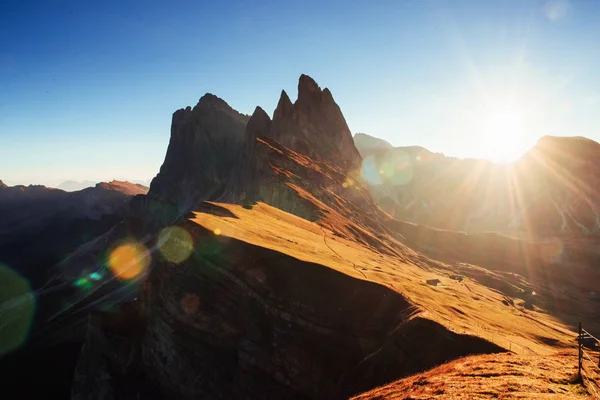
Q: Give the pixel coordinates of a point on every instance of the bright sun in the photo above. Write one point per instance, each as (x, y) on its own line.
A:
(502, 131)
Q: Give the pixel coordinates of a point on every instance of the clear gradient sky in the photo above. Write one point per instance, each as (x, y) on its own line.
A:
(87, 88)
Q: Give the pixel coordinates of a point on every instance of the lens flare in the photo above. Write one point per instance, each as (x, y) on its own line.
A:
(175, 244)
(349, 182)
(370, 171)
(190, 303)
(129, 260)
(84, 283)
(552, 250)
(17, 308)
(397, 167)
(95, 276)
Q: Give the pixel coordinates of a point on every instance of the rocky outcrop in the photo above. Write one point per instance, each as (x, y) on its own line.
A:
(213, 152)
(303, 161)
(2, 184)
(314, 125)
(206, 141)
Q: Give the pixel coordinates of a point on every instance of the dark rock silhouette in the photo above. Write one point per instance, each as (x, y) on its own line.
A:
(206, 141)
(314, 125)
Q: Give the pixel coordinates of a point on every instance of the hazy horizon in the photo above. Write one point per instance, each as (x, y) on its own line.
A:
(89, 93)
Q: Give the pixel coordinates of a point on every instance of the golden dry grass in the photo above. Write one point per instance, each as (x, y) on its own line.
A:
(465, 307)
(497, 376)
(541, 362)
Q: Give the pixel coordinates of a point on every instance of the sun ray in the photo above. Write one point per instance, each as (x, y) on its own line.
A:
(469, 182)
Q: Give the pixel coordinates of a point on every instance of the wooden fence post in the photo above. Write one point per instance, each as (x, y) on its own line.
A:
(580, 342)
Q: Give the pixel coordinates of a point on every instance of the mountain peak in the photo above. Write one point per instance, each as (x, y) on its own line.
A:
(309, 92)
(259, 114)
(211, 102)
(284, 101)
(205, 142)
(314, 123)
(258, 125)
(307, 84)
(576, 147)
(210, 98)
(367, 144)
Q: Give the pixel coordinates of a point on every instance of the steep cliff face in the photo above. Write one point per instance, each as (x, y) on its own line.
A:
(244, 180)
(551, 190)
(206, 141)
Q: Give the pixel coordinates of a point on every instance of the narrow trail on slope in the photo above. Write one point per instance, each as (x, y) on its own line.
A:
(560, 212)
(337, 254)
(583, 228)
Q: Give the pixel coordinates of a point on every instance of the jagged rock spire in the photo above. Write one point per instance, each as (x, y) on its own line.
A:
(315, 125)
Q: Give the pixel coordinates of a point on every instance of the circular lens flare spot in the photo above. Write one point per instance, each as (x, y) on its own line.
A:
(217, 231)
(17, 308)
(190, 303)
(129, 260)
(553, 250)
(175, 244)
(370, 171)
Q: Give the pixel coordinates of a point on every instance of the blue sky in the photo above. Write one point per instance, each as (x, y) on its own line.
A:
(87, 88)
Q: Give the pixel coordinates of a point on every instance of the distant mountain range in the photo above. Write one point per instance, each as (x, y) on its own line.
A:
(554, 189)
(40, 225)
(73, 186)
